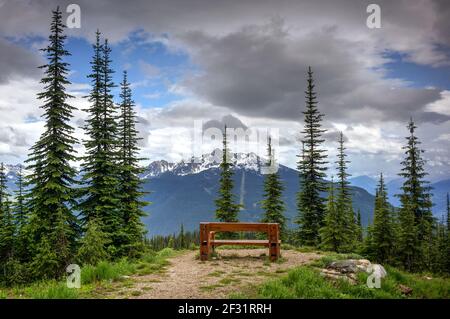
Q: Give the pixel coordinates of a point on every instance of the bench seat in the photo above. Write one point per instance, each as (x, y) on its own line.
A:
(249, 242)
(208, 237)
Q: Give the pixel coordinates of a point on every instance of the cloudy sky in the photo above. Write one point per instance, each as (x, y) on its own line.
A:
(243, 63)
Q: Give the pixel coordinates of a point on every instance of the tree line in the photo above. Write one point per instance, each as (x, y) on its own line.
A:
(56, 219)
(408, 236)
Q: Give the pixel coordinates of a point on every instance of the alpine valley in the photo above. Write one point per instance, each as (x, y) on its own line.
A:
(184, 192)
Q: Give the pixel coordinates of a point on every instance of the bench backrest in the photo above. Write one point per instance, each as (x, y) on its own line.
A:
(236, 227)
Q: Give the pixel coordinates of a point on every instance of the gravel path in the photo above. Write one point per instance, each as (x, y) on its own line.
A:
(233, 271)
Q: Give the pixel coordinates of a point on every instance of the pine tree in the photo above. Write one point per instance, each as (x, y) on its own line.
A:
(359, 228)
(273, 204)
(415, 213)
(52, 194)
(7, 229)
(383, 235)
(344, 205)
(331, 233)
(129, 170)
(182, 239)
(226, 208)
(21, 217)
(310, 203)
(100, 194)
(93, 248)
(447, 250)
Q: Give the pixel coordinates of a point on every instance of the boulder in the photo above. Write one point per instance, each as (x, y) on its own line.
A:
(350, 265)
(348, 268)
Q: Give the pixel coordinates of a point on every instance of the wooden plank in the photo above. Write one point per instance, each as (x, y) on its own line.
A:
(208, 241)
(236, 227)
(249, 242)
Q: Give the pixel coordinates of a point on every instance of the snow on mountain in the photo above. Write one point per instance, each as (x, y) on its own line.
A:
(195, 165)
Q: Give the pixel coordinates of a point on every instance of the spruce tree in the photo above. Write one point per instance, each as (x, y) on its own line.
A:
(447, 250)
(52, 194)
(311, 167)
(344, 205)
(226, 208)
(331, 233)
(415, 214)
(383, 235)
(273, 204)
(6, 222)
(100, 194)
(130, 184)
(93, 244)
(359, 228)
(21, 217)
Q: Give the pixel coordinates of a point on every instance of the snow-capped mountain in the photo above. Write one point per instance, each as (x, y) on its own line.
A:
(195, 165)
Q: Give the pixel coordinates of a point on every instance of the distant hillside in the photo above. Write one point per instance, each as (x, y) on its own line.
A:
(184, 193)
(439, 191)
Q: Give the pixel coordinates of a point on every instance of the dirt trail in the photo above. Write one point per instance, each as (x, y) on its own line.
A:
(234, 271)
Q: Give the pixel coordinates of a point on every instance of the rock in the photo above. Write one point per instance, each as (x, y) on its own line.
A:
(344, 266)
(350, 265)
(405, 289)
(335, 275)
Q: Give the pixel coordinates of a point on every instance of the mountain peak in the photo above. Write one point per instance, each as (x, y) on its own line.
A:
(195, 165)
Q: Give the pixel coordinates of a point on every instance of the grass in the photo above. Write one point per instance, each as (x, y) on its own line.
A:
(95, 280)
(306, 282)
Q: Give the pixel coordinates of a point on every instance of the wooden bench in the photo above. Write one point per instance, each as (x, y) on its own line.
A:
(208, 241)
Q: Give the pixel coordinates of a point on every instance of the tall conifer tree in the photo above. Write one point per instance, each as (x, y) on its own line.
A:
(21, 217)
(100, 195)
(52, 194)
(383, 235)
(415, 214)
(130, 184)
(226, 208)
(273, 204)
(310, 203)
(344, 205)
(6, 222)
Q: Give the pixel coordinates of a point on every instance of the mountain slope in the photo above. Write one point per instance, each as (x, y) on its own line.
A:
(184, 192)
(180, 196)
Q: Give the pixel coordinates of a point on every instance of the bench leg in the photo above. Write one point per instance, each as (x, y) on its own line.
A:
(204, 242)
(274, 242)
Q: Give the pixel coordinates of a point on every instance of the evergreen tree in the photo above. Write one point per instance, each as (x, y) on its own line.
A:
(6, 221)
(415, 215)
(52, 195)
(273, 204)
(383, 235)
(344, 205)
(359, 228)
(21, 217)
(226, 208)
(182, 240)
(331, 233)
(93, 248)
(310, 203)
(129, 170)
(100, 194)
(447, 250)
